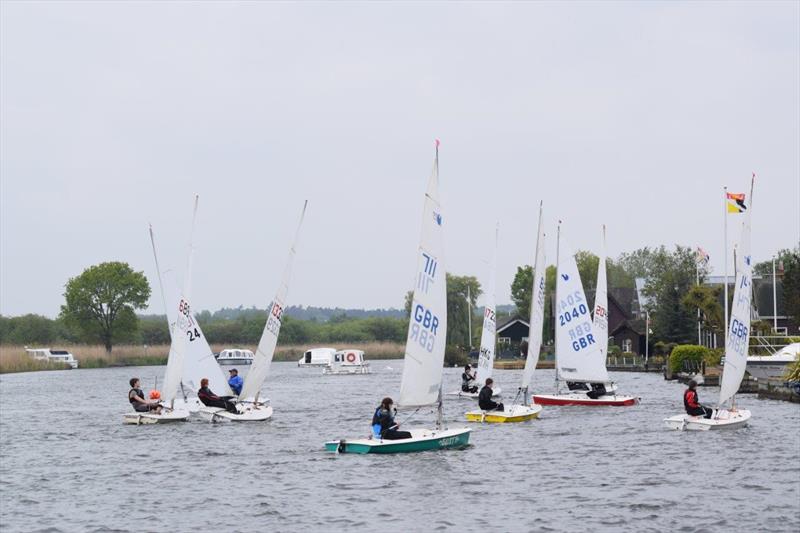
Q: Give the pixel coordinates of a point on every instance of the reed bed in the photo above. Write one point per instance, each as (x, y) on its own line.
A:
(13, 358)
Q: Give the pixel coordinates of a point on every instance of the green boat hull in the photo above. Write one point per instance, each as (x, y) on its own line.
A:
(452, 439)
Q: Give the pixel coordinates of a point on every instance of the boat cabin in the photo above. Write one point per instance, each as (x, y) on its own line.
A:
(317, 357)
(349, 357)
(235, 356)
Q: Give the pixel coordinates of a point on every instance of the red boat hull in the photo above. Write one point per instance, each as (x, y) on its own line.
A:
(565, 400)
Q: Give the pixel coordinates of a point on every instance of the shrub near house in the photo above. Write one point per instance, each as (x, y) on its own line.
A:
(687, 352)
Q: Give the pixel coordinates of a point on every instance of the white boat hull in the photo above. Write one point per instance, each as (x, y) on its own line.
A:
(249, 413)
(175, 415)
(347, 370)
(722, 420)
(496, 392)
(573, 398)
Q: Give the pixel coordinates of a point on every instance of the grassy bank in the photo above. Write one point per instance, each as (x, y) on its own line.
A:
(13, 358)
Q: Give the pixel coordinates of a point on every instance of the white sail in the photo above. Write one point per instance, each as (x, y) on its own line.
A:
(578, 355)
(262, 360)
(600, 315)
(537, 307)
(199, 362)
(736, 348)
(487, 351)
(427, 329)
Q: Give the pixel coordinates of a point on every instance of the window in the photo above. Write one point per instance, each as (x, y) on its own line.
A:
(504, 340)
(627, 345)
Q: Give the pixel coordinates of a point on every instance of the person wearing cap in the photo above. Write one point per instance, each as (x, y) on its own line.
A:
(235, 381)
(468, 380)
(485, 401)
(692, 402)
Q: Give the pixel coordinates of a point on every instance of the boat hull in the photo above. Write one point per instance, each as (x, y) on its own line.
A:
(249, 414)
(723, 420)
(421, 440)
(496, 393)
(513, 413)
(347, 371)
(581, 399)
(167, 417)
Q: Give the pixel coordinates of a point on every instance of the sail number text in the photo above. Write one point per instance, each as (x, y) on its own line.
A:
(737, 336)
(274, 318)
(423, 329)
(573, 309)
(186, 322)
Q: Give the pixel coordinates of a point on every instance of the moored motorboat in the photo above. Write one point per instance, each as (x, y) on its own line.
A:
(234, 356)
(773, 366)
(347, 362)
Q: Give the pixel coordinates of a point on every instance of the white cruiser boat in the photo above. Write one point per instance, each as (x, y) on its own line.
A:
(317, 357)
(773, 366)
(347, 362)
(55, 356)
(235, 356)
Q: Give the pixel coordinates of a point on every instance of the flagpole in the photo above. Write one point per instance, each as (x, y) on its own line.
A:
(697, 273)
(725, 214)
(469, 319)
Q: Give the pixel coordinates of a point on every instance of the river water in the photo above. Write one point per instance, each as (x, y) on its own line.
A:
(69, 464)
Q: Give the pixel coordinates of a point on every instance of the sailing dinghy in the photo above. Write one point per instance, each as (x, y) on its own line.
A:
(736, 348)
(251, 409)
(513, 413)
(580, 351)
(488, 333)
(421, 384)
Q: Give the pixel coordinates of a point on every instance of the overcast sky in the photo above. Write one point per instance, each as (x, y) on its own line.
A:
(630, 114)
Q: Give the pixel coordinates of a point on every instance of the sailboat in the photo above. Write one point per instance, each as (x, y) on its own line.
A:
(488, 333)
(171, 412)
(421, 384)
(580, 356)
(517, 412)
(736, 348)
(250, 407)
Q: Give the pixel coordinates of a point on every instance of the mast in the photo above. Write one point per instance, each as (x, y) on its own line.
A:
(160, 282)
(555, 321)
(725, 260)
(469, 320)
(533, 351)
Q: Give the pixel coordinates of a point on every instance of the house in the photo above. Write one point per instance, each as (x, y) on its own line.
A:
(763, 307)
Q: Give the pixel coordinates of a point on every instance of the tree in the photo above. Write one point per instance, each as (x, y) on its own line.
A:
(100, 303)
(707, 300)
(790, 260)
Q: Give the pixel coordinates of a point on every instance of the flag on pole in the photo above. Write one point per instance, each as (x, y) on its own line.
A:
(736, 202)
(702, 256)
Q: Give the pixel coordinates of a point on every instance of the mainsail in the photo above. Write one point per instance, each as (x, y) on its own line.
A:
(427, 328)
(200, 361)
(600, 315)
(537, 307)
(578, 354)
(262, 359)
(486, 355)
(736, 348)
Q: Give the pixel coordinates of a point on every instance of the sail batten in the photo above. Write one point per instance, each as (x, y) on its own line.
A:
(578, 354)
(427, 328)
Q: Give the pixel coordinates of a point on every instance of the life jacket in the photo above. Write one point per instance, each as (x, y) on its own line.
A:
(138, 392)
(690, 400)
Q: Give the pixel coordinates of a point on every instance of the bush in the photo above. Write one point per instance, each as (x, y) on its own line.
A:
(686, 352)
(714, 357)
(614, 350)
(793, 372)
(455, 356)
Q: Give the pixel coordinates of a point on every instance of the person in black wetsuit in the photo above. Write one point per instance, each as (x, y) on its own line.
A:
(212, 400)
(384, 416)
(485, 398)
(468, 380)
(136, 397)
(691, 402)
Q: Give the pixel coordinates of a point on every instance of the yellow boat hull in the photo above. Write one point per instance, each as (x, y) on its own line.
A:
(515, 413)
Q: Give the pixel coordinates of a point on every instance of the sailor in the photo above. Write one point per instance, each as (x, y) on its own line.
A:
(235, 381)
(383, 424)
(485, 398)
(212, 400)
(136, 397)
(468, 380)
(692, 402)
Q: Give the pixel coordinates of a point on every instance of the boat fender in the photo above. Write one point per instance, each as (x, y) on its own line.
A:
(351, 357)
(342, 446)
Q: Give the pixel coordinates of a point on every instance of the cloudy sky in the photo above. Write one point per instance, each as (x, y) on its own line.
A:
(630, 114)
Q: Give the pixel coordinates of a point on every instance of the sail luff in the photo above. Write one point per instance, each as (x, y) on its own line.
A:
(600, 314)
(427, 328)
(489, 329)
(537, 306)
(262, 359)
(738, 336)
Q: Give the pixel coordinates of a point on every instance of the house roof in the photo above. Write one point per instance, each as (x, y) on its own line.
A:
(510, 322)
(636, 325)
